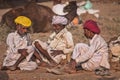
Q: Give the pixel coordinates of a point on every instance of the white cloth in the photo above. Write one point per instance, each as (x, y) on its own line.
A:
(61, 41)
(115, 46)
(15, 42)
(81, 10)
(93, 56)
(58, 9)
(86, 6)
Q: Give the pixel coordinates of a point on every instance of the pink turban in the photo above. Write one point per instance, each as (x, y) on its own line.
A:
(92, 26)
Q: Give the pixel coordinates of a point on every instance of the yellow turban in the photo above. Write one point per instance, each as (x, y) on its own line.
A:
(23, 20)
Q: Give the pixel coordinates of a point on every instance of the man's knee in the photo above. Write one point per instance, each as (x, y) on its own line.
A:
(36, 44)
(23, 52)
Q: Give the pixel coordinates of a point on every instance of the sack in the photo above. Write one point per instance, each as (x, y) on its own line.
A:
(115, 50)
(88, 5)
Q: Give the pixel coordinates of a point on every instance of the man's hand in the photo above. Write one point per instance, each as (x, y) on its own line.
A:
(73, 64)
(56, 52)
(38, 46)
(23, 52)
(36, 43)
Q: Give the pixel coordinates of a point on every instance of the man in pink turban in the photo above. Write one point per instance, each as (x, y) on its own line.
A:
(59, 45)
(93, 56)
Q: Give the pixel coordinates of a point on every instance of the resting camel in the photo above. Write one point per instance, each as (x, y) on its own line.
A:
(40, 15)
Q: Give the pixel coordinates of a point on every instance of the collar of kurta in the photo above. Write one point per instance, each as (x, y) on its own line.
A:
(16, 34)
(61, 33)
(94, 38)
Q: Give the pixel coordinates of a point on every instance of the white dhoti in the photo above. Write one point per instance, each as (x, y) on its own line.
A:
(90, 64)
(26, 64)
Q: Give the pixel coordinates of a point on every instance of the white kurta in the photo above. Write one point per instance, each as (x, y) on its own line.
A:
(92, 56)
(15, 42)
(61, 41)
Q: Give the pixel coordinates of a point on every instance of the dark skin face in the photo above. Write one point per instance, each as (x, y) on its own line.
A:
(21, 30)
(57, 27)
(88, 34)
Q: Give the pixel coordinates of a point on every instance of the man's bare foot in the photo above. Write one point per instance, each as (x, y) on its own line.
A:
(53, 63)
(73, 64)
(70, 67)
(4, 68)
(43, 64)
(12, 68)
(70, 71)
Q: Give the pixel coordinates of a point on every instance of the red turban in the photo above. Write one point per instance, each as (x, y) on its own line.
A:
(92, 26)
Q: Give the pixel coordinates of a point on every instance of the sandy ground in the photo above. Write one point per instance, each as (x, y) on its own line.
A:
(109, 16)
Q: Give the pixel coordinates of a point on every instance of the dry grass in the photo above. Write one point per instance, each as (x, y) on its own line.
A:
(3, 33)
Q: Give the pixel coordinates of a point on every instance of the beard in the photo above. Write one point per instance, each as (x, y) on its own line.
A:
(22, 34)
(57, 31)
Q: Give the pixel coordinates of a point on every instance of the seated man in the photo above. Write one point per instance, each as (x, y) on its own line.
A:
(93, 56)
(59, 44)
(19, 45)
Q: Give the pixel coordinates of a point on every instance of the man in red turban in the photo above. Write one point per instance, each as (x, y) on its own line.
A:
(93, 56)
(92, 26)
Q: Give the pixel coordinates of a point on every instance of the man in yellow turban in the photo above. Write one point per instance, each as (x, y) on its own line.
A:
(19, 49)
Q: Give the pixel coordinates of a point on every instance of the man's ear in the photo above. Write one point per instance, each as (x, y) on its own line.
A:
(18, 26)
